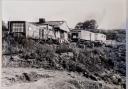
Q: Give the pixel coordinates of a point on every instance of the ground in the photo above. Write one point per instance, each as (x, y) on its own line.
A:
(14, 78)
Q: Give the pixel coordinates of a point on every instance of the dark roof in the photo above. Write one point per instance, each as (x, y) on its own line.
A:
(17, 21)
(38, 24)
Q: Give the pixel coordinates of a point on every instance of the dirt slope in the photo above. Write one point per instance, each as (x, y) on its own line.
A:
(14, 78)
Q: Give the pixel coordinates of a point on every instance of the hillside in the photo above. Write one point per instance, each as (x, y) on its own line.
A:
(31, 78)
(101, 63)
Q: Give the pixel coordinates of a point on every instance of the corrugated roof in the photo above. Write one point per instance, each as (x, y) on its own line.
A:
(62, 25)
(55, 23)
(52, 23)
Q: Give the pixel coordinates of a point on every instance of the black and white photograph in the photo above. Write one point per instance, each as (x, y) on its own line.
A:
(63, 44)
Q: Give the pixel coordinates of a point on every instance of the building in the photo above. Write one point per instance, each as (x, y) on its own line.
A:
(83, 35)
(61, 30)
(46, 31)
(23, 29)
(17, 28)
(33, 30)
(55, 30)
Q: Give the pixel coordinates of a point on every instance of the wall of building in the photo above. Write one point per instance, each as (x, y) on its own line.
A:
(92, 36)
(43, 31)
(66, 36)
(47, 31)
(32, 31)
(86, 35)
(16, 26)
(51, 32)
(65, 28)
(57, 34)
(100, 37)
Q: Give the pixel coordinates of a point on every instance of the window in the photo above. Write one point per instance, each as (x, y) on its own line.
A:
(17, 27)
(61, 34)
(74, 35)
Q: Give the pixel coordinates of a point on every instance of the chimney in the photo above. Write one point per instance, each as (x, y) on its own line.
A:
(41, 20)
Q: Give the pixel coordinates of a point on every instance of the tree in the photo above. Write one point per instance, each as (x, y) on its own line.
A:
(79, 25)
(89, 24)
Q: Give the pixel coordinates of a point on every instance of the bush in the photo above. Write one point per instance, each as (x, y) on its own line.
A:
(62, 48)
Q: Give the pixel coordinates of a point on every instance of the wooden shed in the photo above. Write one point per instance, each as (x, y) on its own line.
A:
(61, 30)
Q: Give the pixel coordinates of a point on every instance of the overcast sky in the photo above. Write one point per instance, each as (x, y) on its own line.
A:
(109, 14)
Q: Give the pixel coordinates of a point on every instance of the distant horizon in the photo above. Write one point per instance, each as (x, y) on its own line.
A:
(109, 14)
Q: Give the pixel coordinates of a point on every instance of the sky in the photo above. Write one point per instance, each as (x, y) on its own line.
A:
(109, 14)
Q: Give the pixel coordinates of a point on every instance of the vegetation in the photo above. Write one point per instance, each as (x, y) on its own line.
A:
(119, 35)
(89, 24)
(91, 62)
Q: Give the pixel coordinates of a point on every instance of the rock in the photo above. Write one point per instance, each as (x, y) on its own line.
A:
(88, 75)
(116, 79)
(26, 77)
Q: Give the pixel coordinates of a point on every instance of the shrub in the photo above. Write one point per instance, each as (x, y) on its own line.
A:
(62, 48)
